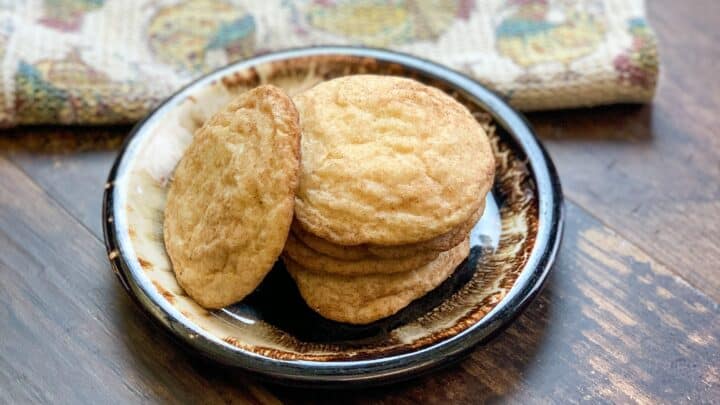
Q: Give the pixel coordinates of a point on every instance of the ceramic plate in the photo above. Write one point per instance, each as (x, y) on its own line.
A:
(272, 333)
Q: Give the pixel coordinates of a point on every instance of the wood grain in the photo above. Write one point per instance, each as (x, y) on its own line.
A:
(69, 334)
(71, 164)
(617, 321)
(653, 172)
(612, 325)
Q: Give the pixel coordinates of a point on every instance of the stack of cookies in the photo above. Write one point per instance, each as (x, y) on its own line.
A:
(393, 177)
(368, 186)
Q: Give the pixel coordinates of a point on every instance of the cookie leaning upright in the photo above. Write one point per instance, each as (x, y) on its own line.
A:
(388, 161)
(230, 204)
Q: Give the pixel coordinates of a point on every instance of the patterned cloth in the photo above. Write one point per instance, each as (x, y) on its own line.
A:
(110, 61)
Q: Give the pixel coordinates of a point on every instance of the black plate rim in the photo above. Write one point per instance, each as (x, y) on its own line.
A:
(365, 372)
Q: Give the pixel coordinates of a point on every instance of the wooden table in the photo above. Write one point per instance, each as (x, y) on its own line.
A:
(629, 314)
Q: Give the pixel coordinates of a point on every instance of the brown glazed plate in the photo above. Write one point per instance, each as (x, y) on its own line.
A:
(272, 333)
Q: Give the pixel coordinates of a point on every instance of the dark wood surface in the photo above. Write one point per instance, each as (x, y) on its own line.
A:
(630, 312)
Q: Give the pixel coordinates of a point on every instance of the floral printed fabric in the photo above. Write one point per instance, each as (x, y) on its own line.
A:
(110, 61)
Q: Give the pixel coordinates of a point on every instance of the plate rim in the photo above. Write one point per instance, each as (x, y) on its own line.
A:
(370, 371)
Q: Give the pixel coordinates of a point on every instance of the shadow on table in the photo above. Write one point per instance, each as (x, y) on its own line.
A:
(62, 139)
(628, 122)
(616, 123)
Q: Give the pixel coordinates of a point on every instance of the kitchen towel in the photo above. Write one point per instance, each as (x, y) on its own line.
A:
(111, 61)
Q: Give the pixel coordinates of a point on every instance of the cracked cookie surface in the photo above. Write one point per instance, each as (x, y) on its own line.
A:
(388, 161)
(230, 203)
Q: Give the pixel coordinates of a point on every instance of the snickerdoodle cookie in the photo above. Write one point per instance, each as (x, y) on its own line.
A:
(388, 161)
(310, 259)
(438, 244)
(367, 298)
(230, 204)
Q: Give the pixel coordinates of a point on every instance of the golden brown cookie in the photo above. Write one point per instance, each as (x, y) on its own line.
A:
(364, 299)
(326, 248)
(439, 244)
(313, 260)
(388, 161)
(230, 204)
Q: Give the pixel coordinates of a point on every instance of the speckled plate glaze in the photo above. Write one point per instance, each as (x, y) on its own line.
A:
(272, 333)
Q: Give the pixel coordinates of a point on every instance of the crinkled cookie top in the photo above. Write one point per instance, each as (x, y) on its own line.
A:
(230, 204)
(388, 161)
